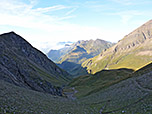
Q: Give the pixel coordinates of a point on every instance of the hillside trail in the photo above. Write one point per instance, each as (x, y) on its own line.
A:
(137, 84)
(142, 88)
(70, 95)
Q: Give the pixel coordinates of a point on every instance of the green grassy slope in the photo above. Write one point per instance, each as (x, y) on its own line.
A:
(132, 52)
(89, 84)
(106, 91)
(127, 96)
(17, 100)
(132, 95)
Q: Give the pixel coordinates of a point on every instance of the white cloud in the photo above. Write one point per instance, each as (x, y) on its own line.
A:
(18, 14)
(49, 9)
(44, 30)
(71, 11)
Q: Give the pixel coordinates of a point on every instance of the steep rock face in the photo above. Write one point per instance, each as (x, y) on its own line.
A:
(25, 66)
(82, 51)
(133, 51)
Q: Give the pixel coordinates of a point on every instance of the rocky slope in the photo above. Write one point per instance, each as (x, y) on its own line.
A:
(80, 52)
(117, 91)
(23, 65)
(130, 95)
(133, 51)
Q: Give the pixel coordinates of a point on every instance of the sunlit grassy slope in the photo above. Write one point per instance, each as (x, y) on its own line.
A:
(89, 84)
(132, 52)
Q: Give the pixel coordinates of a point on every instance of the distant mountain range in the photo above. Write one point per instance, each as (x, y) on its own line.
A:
(133, 52)
(56, 55)
(71, 57)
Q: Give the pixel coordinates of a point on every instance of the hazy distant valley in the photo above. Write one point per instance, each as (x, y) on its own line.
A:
(72, 56)
(86, 77)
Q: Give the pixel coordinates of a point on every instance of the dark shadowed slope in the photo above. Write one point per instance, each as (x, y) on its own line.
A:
(18, 100)
(89, 84)
(117, 91)
(132, 95)
(23, 65)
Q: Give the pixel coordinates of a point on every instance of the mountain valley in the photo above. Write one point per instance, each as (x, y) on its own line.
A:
(89, 77)
(71, 57)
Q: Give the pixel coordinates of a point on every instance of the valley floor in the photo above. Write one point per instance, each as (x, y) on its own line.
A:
(130, 96)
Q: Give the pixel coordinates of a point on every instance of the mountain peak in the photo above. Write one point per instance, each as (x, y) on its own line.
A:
(12, 32)
(26, 66)
(79, 49)
(133, 51)
(138, 36)
(9, 33)
(150, 21)
(12, 35)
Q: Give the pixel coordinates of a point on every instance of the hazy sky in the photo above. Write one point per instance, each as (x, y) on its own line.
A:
(44, 23)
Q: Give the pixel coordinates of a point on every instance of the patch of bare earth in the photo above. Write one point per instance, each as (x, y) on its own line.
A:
(148, 53)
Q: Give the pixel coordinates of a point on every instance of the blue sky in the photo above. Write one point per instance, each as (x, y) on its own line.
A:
(45, 23)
